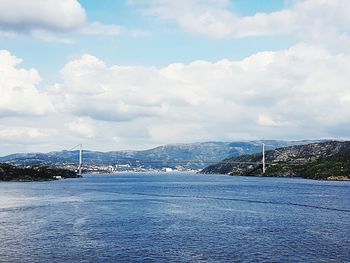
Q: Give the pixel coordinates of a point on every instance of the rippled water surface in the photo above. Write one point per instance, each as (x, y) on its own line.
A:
(175, 217)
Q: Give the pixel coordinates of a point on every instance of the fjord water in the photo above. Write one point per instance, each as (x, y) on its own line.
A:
(175, 217)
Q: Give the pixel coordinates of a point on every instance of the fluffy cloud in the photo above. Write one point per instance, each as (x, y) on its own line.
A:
(296, 93)
(48, 20)
(27, 136)
(53, 15)
(93, 89)
(18, 89)
(20, 134)
(301, 92)
(314, 20)
(81, 127)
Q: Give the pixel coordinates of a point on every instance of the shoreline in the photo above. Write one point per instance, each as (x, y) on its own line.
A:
(10, 173)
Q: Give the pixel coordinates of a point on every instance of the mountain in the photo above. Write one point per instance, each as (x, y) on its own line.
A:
(324, 160)
(189, 156)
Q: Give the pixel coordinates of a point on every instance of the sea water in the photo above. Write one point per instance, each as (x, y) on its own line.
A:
(177, 217)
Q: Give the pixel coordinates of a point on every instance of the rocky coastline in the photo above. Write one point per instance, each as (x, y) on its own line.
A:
(320, 161)
(30, 174)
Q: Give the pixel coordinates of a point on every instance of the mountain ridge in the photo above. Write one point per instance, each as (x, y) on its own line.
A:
(323, 160)
(193, 155)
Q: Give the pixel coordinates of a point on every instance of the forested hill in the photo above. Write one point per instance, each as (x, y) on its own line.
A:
(327, 160)
(13, 173)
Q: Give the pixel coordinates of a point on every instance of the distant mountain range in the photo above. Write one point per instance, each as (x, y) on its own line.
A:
(324, 160)
(189, 156)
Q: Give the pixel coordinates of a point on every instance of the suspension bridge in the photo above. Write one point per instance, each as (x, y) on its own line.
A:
(167, 161)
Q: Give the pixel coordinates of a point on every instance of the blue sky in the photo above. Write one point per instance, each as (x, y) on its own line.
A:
(134, 74)
(165, 43)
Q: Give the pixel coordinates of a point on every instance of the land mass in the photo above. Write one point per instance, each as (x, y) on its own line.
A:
(175, 156)
(23, 174)
(322, 161)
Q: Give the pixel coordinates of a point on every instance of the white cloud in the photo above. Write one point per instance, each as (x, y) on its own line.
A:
(18, 89)
(81, 127)
(172, 132)
(93, 89)
(301, 92)
(310, 20)
(266, 120)
(50, 20)
(21, 135)
(48, 15)
(16, 134)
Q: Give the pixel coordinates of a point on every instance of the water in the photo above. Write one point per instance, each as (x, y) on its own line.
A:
(175, 217)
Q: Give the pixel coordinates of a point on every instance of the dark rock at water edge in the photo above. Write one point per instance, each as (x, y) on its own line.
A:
(14, 173)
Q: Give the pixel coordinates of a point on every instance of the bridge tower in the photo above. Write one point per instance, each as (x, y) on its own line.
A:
(263, 159)
(80, 159)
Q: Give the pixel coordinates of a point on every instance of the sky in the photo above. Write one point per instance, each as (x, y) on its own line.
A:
(135, 74)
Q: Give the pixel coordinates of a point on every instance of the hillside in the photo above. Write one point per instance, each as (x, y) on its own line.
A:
(192, 155)
(326, 160)
(13, 173)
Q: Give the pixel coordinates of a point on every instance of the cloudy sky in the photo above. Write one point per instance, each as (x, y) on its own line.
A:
(133, 74)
